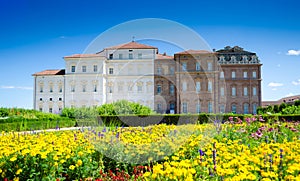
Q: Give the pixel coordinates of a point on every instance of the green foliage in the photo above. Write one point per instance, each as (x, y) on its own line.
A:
(297, 103)
(276, 109)
(124, 107)
(282, 106)
(68, 112)
(291, 110)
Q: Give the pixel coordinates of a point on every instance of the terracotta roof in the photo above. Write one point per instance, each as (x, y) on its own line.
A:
(163, 56)
(82, 56)
(131, 45)
(189, 52)
(50, 72)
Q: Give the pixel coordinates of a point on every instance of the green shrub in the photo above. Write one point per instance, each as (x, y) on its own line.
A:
(124, 107)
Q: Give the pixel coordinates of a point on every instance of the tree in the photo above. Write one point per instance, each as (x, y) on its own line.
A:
(282, 106)
(297, 103)
(124, 107)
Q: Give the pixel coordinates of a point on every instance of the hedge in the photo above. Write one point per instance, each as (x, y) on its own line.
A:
(26, 124)
(176, 119)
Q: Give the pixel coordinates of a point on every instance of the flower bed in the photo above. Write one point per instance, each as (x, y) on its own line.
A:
(236, 150)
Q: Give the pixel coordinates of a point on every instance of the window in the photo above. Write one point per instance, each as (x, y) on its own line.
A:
(72, 88)
(198, 87)
(110, 89)
(41, 99)
(184, 66)
(221, 75)
(246, 108)
(83, 68)
(83, 88)
(209, 86)
(172, 106)
(73, 68)
(159, 107)
(158, 89)
(140, 88)
(50, 98)
(60, 88)
(197, 66)
(209, 66)
(59, 109)
(254, 107)
(95, 88)
(198, 108)
(50, 110)
(111, 56)
(222, 91)
(210, 108)
(254, 74)
(41, 88)
(95, 68)
(60, 99)
(130, 56)
(254, 91)
(222, 108)
(184, 86)
(158, 70)
(233, 91)
(140, 55)
(111, 71)
(41, 109)
(245, 75)
(51, 88)
(184, 107)
(233, 108)
(172, 71)
(245, 91)
(120, 56)
(233, 75)
(172, 89)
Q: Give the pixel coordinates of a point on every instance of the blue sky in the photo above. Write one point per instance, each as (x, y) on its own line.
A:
(35, 35)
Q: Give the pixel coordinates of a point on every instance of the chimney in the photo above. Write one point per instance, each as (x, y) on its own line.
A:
(164, 54)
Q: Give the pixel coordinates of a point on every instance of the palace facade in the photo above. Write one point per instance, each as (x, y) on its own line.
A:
(192, 81)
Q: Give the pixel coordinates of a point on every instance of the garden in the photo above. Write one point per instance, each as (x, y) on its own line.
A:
(181, 147)
(250, 149)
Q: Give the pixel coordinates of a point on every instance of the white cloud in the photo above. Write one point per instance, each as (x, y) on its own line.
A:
(296, 82)
(293, 52)
(16, 87)
(275, 84)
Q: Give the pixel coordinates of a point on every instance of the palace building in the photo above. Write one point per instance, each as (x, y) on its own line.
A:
(192, 81)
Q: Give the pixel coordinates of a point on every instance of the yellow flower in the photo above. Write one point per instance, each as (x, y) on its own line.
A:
(79, 163)
(44, 155)
(147, 174)
(18, 171)
(12, 159)
(80, 153)
(71, 167)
